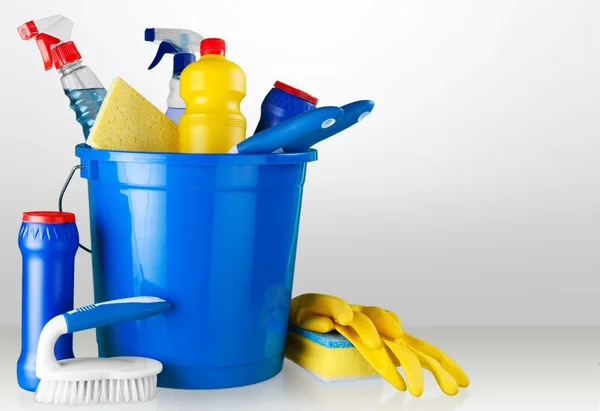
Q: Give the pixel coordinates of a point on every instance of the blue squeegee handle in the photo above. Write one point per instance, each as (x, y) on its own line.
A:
(290, 130)
(353, 113)
(114, 311)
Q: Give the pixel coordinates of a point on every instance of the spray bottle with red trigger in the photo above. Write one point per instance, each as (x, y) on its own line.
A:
(82, 87)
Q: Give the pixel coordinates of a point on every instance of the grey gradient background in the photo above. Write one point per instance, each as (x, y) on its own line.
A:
(471, 195)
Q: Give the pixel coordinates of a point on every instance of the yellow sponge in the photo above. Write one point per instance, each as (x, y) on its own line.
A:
(329, 357)
(128, 122)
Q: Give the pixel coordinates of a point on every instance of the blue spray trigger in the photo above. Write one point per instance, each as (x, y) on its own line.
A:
(164, 48)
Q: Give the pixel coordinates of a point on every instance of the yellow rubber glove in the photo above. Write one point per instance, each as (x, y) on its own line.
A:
(378, 357)
(448, 374)
(399, 348)
(386, 322)
(324, 313)
(390, 329)
(320, 313)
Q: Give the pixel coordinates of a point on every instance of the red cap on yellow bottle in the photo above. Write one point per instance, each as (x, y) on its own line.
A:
(212, 46)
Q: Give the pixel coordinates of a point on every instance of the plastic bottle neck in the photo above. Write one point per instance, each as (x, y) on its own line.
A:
(70, 67)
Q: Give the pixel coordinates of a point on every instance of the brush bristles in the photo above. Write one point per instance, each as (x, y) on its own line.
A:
(96, 391)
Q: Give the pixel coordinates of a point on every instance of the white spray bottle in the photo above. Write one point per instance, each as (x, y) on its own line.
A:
(183, 44)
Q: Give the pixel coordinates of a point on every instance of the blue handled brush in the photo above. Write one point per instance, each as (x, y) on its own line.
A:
(292, 129)
(353, 113)
(78, 381)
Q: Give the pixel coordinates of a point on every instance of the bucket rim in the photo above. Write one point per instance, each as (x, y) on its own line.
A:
(85, 152)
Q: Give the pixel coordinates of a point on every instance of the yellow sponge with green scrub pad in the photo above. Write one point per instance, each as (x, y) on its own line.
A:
(127, 121)
(329, 357)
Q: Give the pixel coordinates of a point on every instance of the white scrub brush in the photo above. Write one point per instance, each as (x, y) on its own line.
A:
(77, 381)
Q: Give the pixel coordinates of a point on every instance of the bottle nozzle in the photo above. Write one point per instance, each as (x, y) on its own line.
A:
(186, 41)
(179, 42)
(28, 30)
(49, 33)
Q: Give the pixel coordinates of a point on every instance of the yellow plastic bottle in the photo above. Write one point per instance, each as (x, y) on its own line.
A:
(212, 88)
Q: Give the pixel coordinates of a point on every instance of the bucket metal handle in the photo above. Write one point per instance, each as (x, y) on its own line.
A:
(62, 194)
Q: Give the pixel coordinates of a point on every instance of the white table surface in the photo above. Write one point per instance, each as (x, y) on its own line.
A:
(510, 369)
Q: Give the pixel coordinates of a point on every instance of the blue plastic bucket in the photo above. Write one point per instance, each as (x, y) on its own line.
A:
(214, 234)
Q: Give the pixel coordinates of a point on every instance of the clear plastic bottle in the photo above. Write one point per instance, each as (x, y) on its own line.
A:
(85, 93)
(176, 105)
(82, 87)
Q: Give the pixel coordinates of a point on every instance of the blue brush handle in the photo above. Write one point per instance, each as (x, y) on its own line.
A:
(353, 113)
(292, 129)
(115, 311)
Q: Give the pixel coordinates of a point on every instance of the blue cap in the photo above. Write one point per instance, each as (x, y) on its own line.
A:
(181, 61)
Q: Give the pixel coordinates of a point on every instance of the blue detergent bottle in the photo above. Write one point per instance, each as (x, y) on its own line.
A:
(183, 44)
(48, 241)
(80, 84)
(283, 102)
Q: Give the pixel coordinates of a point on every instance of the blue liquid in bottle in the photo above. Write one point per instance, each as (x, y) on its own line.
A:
(85, 92)
(86, 105)
(175, 114)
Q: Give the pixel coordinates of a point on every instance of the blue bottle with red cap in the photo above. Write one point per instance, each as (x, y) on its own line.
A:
(48, 241)
(283, 102)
